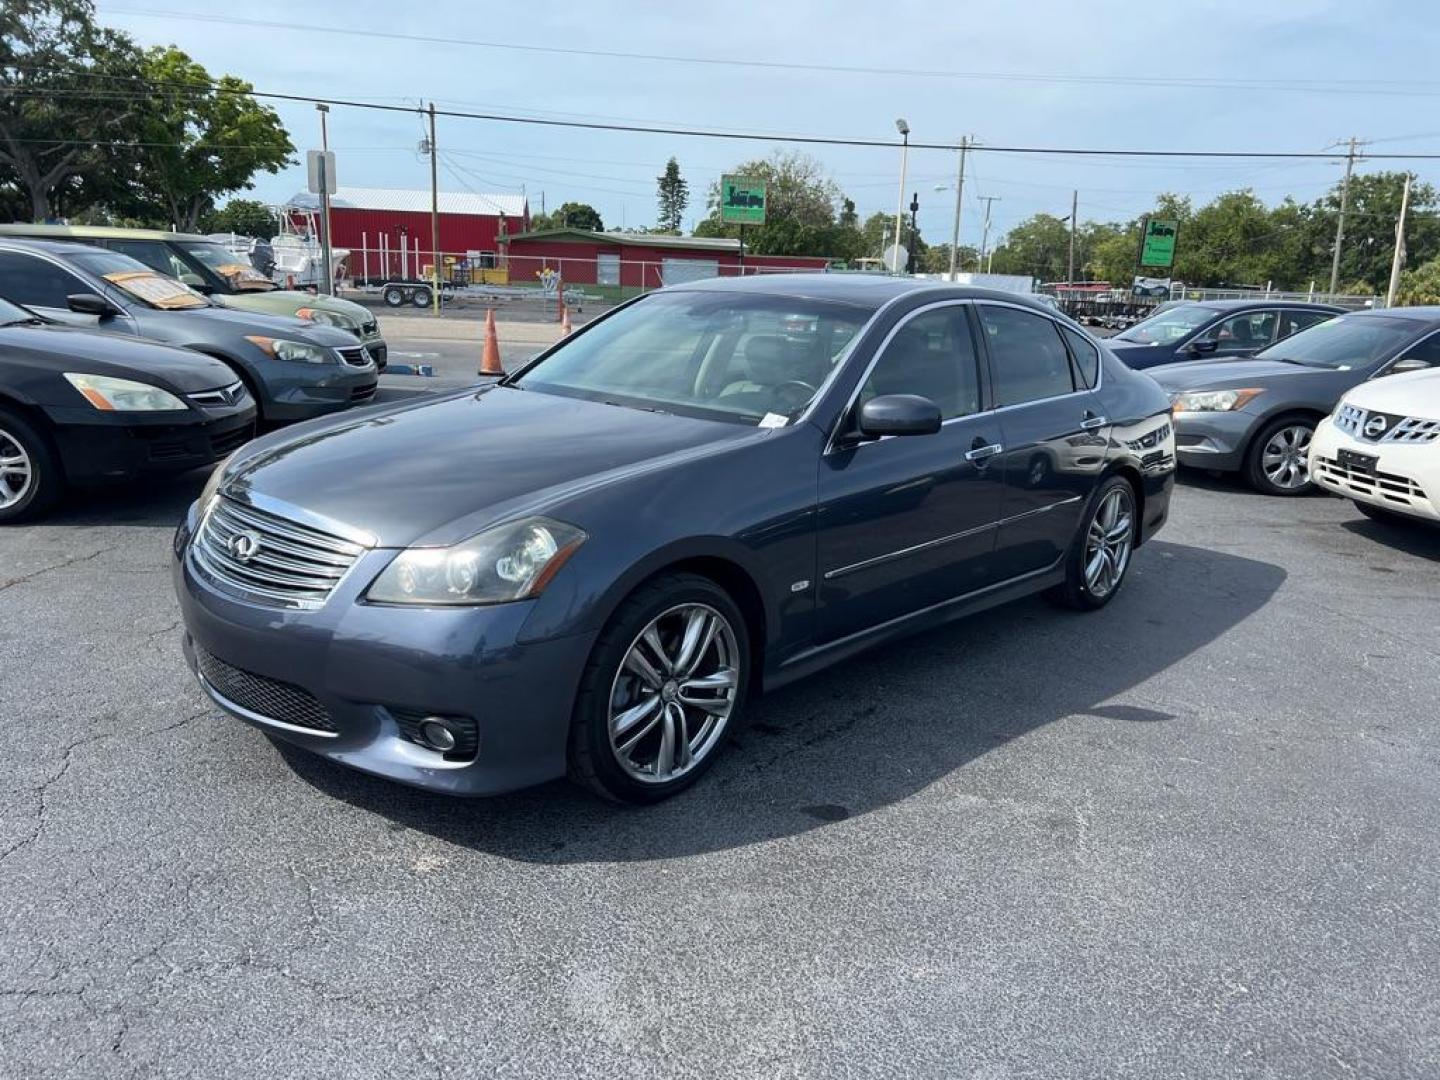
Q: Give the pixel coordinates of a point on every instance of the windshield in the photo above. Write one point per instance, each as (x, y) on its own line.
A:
(14, 313)
(1169, 326)
(138, 280)
(728, 356)
(233, 268)
(1344, 343)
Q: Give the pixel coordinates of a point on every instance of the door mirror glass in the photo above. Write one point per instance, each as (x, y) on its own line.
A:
(899, 414)
(1408, 363)
(90, 304)
(1203, 346)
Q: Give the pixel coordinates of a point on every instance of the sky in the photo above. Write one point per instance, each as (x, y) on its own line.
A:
(1286, 75)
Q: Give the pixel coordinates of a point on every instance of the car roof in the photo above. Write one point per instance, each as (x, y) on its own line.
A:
(1231, 305)
(53, 247)
(1420, 313)
(864, 290)
(95, 232)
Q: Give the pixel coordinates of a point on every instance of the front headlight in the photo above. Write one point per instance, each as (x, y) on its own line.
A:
(509, 562)
(1213, 400)
(303, 351)
(329, 318)
(123, 395)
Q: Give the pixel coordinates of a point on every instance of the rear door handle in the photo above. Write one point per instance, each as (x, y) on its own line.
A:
(980, 453)
(1091, 422)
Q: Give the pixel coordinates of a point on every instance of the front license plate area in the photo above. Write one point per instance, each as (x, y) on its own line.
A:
(1356, 461)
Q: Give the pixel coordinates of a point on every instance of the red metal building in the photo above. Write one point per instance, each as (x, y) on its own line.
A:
(637, 260)
(388, 229)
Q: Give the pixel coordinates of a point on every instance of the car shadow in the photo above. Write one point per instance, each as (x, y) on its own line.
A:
(1417, 538)
(868, 733)
(1233, 484)
(158, 501)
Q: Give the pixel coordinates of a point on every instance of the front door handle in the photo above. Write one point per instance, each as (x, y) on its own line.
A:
(1091, 422)
(983, 451)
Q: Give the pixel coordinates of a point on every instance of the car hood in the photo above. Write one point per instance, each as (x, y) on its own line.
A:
(268, 325)
(289, 301)
(437, 472)
(1228, 374)
(93, 352)
(1414, 393)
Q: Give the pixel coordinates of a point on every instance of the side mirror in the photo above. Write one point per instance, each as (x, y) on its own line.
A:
(1408, 363)
(1201, 347)
(91, 304)
(899, 414)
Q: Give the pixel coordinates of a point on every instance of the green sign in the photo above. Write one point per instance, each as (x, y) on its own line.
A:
(742, 200)
(1158, 246)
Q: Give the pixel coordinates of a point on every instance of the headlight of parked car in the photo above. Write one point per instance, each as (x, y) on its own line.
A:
(509, 562)
(303, 351)
(1213, 400)
(123, 395)
(329, 318)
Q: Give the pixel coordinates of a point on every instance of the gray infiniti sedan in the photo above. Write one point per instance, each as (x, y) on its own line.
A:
(293, 369)
(1257, 416)
(717, 488)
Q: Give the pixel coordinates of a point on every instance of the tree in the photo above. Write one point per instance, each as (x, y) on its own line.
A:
(1038, 247)
(1421, 285)
(569, 215)
(199, 139)
(1374, 205)
(244, 217)
(673, 195)
(800, 218)
(58, 102)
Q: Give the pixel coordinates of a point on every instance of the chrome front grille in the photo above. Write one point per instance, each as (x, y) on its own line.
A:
(268, 559)
(1392, 487)
(219, 398)
(270, 698)
(354, 355)
(1381, 427)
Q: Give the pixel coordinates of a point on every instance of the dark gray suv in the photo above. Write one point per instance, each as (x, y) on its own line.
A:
(294, 369)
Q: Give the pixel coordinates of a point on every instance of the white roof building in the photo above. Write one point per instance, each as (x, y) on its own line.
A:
(416, 201)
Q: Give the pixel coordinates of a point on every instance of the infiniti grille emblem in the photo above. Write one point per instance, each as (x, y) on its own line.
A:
(1375, 426)
(244, 545)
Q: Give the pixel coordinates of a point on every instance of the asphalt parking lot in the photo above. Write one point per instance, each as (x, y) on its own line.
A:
(1192, 835)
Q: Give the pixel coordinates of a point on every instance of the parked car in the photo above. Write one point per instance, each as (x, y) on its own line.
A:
(1214, 330)
(209, 268)
(685, 501)
(1258, 416)
(80, 408)
(1380, 448)
(294, 369)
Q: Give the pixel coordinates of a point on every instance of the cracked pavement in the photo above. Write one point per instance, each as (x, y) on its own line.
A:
(1194, 835)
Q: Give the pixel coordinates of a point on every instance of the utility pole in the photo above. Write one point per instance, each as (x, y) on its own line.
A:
(904, 129)
(1398, 260)
(959, 204)
(1074, 213)
(1340, 223)
(985, 231)
(329, 287)
(434, 217)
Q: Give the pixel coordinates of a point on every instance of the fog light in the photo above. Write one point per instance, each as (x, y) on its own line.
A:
(437, 733)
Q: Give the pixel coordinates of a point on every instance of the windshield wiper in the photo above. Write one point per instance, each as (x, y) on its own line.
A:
(28, 321)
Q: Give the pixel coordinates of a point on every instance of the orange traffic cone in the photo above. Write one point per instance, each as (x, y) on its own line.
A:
(490, 358)
(565, 321)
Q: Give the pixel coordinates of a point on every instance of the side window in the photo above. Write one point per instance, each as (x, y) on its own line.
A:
(1252, 330)
(26, 279)
(932, 355)
(1292, 322)
(1027, 358)
(1087, 357)
(153, 254)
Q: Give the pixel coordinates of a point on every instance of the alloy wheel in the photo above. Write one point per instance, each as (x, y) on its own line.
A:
(1284, 459)
(1109, 541)
(17, 472)
(674, 693)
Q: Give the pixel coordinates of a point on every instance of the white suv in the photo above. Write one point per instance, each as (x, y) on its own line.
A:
(1381, 447)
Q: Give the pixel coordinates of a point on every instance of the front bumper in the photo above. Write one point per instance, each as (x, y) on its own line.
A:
(375, 345)
(365, 663)
(296, 391)
(1406, 478)
(1213, 440)
(100, 447)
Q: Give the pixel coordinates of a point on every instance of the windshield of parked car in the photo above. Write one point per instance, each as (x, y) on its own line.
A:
(233, 268)
(138, 281)
(741, 357)
(1344, 343)
(11, 314)
(1169, 326)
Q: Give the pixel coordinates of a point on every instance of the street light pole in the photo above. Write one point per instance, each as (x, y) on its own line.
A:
(1070, 262)
(959, 204)
(1340, 221)
(434, 218)
(914, 233)
(985, 233)
(904, 129)
(329, 286)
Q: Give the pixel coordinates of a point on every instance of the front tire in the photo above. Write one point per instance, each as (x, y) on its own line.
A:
(1276, 463)
(664, 687)
(1099, 556)
(31, 481)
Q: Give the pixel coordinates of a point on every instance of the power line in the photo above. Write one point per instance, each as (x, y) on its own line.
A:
(1390, 87)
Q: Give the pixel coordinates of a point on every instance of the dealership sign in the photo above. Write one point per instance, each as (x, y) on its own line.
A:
(1157, 246)
(742, 200)
(1150, 286)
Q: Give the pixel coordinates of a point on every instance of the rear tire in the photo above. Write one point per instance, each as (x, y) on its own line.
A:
(647, 711)
(393, 297)
(1275, 455)
(1101, 552)
(421, 298)
(31, 480)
